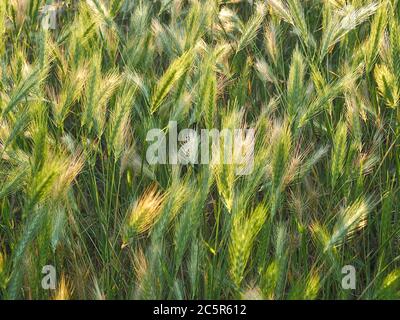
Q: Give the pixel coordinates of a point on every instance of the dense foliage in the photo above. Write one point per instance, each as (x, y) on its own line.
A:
(82, 83)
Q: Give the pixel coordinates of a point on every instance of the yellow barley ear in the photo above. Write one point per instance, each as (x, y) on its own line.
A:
(387, 85)
(63, 290)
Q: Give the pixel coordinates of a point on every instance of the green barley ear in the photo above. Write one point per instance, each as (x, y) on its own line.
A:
(30, 231)
(300, 23)
(310, 161)
(295, 83)
(250, 29)
(93, 80)
(104, 22)
(243, 233)
(193, 24)
(195, 262)
(307, 288)
(269, 280)
(69, 167)
(353, 118)
(389, 288)
(281, 147)
(292, 12)
(328, 91)
(25, 87)
(118, 125)
(338, 152)
(58, 222)
(197, 22)
(119, 132)
(189, 221)
(108, 85)
(351, 219)
(274, 277)
(222, 157)
(282, 141)
(71, 91)
(208, 93)
(394, 36)
(338, 27)
(320, 235)
(39, 128)
(178, 195)
(80, 34)
(170, 78)
(98, 93)
(376, 36)
(13, 181)
(281, 256)
(280, 9)
(321, 238)
(45, 50)
(312, 286)
(225, 179)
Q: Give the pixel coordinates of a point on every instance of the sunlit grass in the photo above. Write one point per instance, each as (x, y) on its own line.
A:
(318, 80)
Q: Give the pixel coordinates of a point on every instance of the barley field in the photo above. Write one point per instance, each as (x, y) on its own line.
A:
(85, 215)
